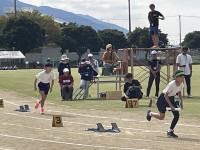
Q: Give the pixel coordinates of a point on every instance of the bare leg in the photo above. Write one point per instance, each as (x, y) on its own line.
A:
(43, 98)
(153, 39)
(159, 116)
(156, 40)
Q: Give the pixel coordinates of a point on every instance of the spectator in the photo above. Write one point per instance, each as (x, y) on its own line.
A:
(131, 88)
(86, 73)
(109, 59)
(37, 65)
(63, 64)
(184, 63)
(66, 83)
(27, 64)
(154, 69)
(94, 63)
(153, 17)
(48, 60)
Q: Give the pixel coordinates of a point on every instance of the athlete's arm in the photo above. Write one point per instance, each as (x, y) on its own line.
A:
(181, 100)
(35, 81)
(168, 101)
(52, 83)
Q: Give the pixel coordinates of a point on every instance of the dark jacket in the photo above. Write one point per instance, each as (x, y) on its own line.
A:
(86, 72)
(62, 66)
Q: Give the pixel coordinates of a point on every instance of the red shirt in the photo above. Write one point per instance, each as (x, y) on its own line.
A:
(66, 80)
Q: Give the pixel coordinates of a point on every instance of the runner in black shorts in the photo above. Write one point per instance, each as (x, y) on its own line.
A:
(166, 99)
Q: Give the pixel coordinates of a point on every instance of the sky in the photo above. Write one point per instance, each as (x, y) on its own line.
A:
(116, 11)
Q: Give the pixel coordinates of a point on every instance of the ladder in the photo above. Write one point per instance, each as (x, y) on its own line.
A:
(79, 92)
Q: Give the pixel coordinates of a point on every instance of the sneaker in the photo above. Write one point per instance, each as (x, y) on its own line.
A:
(148, 115)
(171, 134)
(147, 97)
(189, 96)
(37, 104)
(42, 111)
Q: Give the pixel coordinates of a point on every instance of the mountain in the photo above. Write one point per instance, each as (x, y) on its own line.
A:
(63, 16)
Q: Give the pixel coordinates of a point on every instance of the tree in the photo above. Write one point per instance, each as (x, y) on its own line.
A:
(140, 38)
(3, 20)
(80, 38)
(192, 39)
(23, 34)
(114, 37)
(52, 29)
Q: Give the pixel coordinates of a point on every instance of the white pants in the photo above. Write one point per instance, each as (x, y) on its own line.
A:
(85, 85)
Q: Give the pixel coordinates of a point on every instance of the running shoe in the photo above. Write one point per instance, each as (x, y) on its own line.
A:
(37, 104)
(42, 111)
(148, 115)
(189, 96)
(171, 134)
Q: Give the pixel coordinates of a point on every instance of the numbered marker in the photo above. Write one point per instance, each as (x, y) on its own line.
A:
(57, 121)
(1, 103)
(132, 103)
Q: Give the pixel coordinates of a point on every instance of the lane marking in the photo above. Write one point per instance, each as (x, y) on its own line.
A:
(67, 143)
(86, 124)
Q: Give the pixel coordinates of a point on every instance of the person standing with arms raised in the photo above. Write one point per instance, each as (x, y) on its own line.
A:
(153, 17)
(184, 63)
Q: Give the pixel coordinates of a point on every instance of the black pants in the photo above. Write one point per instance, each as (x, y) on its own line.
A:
(188, 82)
(162, 104)
(134, 94)
(157, 83)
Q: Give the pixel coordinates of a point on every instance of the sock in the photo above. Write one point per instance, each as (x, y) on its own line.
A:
(150, 113)
(170, 130)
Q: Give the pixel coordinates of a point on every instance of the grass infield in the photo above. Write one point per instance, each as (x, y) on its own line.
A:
(21, 81)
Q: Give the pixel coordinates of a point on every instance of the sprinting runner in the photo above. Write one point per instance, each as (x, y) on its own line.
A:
(45, 77)
(166, 99)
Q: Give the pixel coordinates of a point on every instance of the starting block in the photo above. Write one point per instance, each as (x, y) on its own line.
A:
(100, 128)
(24, 108)
(114, 128)
(152, 101)
(1, 103)
(57, 121)
(132, 103)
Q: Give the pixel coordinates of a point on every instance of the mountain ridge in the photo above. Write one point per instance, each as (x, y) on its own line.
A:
(64, 16)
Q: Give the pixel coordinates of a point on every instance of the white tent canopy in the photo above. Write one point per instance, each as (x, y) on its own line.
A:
(11, 55)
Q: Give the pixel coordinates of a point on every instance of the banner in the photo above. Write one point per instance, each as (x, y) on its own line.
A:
(11, 55)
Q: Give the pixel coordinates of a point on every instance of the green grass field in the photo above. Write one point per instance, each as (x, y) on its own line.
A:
(21, 81)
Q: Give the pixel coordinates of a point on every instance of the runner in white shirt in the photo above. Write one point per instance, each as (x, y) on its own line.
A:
(184, 63)
(44, 77)
(94, 63)
(166, 99)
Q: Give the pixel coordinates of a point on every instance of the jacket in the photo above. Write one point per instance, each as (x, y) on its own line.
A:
(107, 59)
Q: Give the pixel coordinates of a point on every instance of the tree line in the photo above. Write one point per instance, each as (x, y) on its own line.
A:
(30, 30)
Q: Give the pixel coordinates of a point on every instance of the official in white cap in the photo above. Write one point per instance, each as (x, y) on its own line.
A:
(66, 83)
(63, 64)
(154, 69)
(94, 63)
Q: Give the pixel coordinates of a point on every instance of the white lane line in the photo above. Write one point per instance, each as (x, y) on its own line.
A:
(103, 117)
(86, 124)
(67, 143)
(90, 134)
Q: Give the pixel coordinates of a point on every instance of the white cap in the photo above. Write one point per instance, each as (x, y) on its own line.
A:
(153, 52)
(66, 70)
(90, 55)
(64, 57)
